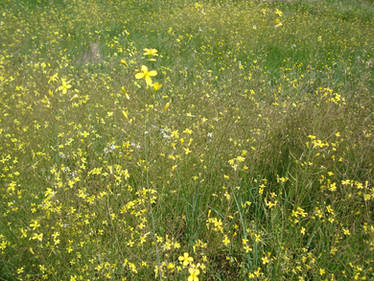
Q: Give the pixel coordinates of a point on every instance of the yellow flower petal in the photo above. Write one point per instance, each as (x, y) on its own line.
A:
(139, 75)
(148, 80)
(153, 73)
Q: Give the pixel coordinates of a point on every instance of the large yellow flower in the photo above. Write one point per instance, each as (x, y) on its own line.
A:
(146, 75)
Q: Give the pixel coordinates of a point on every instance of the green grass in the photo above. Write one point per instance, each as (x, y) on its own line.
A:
(253, 161)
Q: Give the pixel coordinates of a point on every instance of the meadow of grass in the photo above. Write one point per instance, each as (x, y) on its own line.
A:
(185, 140)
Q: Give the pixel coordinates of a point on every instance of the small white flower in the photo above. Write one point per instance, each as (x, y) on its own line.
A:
(164, 133)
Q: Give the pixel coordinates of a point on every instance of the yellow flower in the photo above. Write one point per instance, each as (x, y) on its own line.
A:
(226, 241)
(36, 236)
(322, 271)
(166, 106)
(150, 52)
(185, 259)
(20, 270)
(34, 224)
(265, 260)
(146, 75)
(194, 272)
(278, 12)
(156, 86)
(124, 63)
(65, 86)
(187, 150)
(302, 231)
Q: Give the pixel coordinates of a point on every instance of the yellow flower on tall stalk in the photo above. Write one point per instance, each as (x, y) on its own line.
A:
(146, 75)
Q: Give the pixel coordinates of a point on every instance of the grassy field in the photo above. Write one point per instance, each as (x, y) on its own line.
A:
(184, 140)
